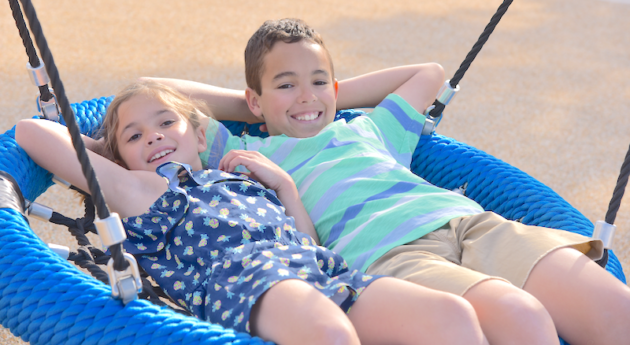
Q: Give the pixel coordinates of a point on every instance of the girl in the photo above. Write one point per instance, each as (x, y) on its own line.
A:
(225, 247)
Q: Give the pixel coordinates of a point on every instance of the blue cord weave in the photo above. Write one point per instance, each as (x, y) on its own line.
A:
(46, 300)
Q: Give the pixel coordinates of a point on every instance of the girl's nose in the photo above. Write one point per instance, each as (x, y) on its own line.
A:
(155, 137)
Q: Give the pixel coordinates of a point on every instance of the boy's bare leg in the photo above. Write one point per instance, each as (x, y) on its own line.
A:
(392, 311)
(587, 304)
(509, 315)
(293, 312)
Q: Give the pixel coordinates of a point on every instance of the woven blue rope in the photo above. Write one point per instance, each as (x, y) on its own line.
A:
(500, 187)
(44, 299)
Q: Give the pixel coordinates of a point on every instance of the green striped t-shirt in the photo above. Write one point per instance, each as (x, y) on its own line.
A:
(355, 182)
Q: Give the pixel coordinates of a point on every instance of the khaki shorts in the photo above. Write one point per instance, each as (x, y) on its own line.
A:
(469, 250)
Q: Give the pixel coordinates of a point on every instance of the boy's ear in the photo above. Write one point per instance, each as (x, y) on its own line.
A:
(253, 102)
(202, 143)
(336, 83)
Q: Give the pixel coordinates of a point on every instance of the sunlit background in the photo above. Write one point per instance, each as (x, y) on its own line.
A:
(549, 93)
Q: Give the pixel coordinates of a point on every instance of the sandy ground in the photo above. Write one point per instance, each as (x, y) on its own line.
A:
(548, 93)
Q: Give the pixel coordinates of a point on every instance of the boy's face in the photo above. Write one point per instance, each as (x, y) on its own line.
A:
(299, 94)
(150, 134)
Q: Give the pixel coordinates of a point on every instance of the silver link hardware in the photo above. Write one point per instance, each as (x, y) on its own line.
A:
(605, 232)
(126, 284)
(39, 211)
(60, 250)
(38, 75)
(61, 182)
(445, 95)
(110, 230)
(430, 122)
(49, 109)
(447, 92)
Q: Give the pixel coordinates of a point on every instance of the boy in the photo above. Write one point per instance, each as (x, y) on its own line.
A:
(525, 283)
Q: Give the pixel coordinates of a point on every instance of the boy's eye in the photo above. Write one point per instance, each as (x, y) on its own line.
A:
(285, 86)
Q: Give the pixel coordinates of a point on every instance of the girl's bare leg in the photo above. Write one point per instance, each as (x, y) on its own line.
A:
(392, 311)
(587, 304)
(293, 312)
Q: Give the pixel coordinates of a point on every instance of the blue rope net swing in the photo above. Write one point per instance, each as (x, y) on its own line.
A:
(44, 299)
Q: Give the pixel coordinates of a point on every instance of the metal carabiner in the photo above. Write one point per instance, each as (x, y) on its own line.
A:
(49, 109)
(126, 284)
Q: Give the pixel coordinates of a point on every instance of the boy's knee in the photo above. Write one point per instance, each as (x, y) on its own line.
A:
(500, 298)
(523, 308)
(454, 310)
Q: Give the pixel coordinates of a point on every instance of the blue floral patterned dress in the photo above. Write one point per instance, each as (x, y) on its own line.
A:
(216, 241)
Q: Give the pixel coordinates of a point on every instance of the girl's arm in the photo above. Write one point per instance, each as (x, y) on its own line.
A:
(273, 177)
(129, 193)
(417, 84)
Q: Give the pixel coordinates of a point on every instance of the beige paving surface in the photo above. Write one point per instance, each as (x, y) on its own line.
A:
(549, 94)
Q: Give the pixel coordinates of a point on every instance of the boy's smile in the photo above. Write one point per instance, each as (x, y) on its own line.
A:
(299, 94)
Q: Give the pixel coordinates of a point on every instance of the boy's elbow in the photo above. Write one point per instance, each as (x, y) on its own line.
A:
(440, 71)
(434, 73)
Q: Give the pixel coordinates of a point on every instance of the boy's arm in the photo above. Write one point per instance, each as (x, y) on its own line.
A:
(225, 104)
(417, 84)
(97, 146)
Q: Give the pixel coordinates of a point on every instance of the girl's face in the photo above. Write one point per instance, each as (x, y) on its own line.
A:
(149, 134)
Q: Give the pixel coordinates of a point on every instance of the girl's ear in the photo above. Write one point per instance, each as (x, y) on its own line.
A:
(202, 143)
(253, 102)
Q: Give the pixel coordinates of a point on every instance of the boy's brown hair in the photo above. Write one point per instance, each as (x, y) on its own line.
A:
(288, 30)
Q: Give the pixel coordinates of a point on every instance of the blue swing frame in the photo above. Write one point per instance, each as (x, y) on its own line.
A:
(46, 300)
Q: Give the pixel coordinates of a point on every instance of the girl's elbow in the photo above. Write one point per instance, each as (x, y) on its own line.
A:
(24, 130)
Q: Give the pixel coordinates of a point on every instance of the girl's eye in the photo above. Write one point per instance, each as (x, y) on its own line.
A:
(320, 82)
(134, 137)
(168, 123)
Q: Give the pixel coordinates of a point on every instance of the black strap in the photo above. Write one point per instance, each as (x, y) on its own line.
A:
(120, 264)
(45, 94)
(620, 187)
(10, 194)
(604, 260)
(472, 54)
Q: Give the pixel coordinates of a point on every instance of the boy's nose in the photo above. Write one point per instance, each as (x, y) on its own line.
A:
(306, 95)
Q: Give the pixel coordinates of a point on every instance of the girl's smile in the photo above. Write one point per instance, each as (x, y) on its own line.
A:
(150, 134)
(161, 153)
